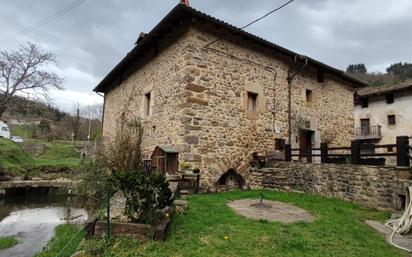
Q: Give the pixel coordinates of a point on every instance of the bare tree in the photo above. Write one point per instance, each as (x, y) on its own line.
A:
(22, 73)
(94, 112)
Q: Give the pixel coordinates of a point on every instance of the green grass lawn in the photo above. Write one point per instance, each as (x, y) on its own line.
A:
(7, 242)
(13, 158)
(58, 155)
(16, 161)
(339, 230)
(23, 131)
(64, 243)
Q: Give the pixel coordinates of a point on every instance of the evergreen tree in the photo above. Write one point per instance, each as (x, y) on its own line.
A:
(357, 68)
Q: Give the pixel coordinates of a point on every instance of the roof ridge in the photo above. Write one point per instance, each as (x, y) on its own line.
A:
(106, 82)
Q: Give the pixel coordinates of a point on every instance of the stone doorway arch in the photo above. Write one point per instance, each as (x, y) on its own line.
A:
(231, 180)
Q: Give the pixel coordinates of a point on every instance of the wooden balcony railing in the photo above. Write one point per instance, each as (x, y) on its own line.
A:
(369, 132)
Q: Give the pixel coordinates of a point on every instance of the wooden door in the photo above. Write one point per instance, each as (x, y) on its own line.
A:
(305, 145)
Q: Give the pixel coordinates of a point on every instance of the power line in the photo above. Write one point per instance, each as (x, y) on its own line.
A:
(258, 19)
(269, 13)
(44, 21)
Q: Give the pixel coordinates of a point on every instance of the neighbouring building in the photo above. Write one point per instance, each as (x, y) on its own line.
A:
(218, 94)
(382, 114)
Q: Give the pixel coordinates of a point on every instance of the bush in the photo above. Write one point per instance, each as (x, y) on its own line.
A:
(145, 194)
(117, 167)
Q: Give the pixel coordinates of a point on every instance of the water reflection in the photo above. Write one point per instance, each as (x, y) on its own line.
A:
(32, 217)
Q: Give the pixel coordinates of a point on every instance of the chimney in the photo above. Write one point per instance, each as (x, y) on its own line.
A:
(141, 36)
(184, 2)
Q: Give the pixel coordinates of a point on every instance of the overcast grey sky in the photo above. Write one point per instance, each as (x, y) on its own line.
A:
(93, 37)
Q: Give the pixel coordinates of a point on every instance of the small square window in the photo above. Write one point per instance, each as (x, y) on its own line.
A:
(391, 120)
(364, 102)
(309, 96)
(390, 149)
(390, 98)
(252, 102)
(147, 104)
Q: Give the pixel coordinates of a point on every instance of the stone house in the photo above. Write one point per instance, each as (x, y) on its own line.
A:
(382, 114)
(218, 95)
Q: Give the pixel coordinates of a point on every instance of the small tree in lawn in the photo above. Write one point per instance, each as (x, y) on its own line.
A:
(22, 72)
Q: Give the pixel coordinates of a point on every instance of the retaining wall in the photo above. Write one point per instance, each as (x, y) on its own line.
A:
(378, 187)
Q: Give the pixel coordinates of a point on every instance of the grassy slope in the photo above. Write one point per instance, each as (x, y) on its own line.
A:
(23, 131)
(338, 230)
(13, 157)
(59, 155)
(65, 242)
(7, 242)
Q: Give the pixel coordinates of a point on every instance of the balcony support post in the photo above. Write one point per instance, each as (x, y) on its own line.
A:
(355, 152)
(402, 151)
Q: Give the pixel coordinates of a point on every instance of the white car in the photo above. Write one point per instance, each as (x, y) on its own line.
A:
(4, 130)
(16, 139)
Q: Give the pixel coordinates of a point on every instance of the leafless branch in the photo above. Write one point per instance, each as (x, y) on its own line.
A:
(23, 72)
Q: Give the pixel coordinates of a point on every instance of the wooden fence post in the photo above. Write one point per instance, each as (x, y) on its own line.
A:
(355, 152)
(288, 153)
(323, 152)
(402, 151)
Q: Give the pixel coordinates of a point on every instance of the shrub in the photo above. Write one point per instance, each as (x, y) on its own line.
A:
(117, 166)
(145, 194)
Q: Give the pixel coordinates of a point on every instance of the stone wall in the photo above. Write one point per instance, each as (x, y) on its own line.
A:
(200, 106)
(161, 76)
(221, 133)
(378, 187)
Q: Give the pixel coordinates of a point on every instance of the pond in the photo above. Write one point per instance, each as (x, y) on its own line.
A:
(31, 216)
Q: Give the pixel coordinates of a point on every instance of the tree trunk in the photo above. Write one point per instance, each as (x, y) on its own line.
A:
(3, 108)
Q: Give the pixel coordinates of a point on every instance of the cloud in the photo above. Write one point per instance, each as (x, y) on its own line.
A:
(92, 38)
(68, 99)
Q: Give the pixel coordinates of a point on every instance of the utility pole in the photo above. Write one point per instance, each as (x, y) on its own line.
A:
(90, 126)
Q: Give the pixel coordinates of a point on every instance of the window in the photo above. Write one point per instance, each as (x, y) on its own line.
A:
(4, 129)
(280, 144)
(390, 98)
(391, 120)
(309, 96)
(147, 104)
(252, 102)
(365, 128)
(364, 102)
(365, 122)
(390, 149)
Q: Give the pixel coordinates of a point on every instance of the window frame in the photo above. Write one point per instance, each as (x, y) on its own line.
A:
(309, 95)
(364, 102)
(252, 97)
(391, 119)
(390, 98)
(147, 104)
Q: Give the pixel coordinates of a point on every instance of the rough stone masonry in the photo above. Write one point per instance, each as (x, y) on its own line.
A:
(375, 186)
(197, 100)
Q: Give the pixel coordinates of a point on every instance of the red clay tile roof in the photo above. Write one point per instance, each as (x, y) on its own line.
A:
(176, 17)
(369, 91)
